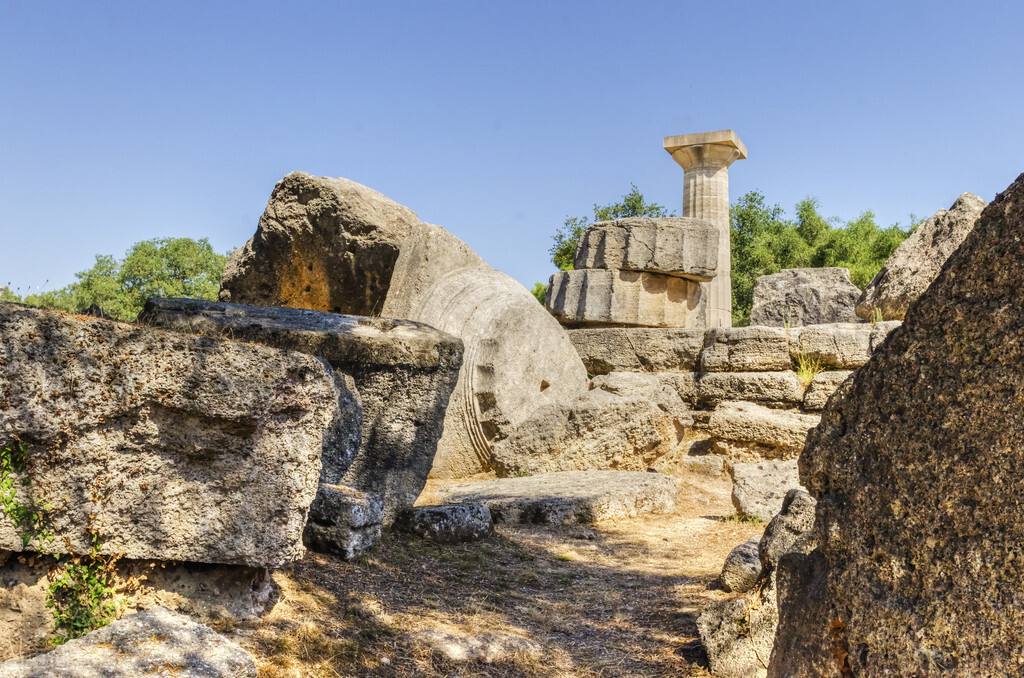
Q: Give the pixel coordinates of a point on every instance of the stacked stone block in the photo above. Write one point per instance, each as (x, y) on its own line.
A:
(755, 391)
(638, 272)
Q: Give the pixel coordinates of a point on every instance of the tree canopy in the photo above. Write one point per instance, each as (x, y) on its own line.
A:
(163, 267)
(764, 242)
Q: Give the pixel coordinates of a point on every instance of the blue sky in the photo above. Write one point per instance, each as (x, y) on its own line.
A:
(122, 121)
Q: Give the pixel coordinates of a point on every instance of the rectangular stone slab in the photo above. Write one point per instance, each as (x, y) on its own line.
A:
(683, 247)
(600, 297)
(404, 373)
(171, 447)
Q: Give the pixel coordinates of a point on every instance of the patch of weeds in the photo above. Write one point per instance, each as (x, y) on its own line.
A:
(807, 367)
(81, 594)
(30, 519)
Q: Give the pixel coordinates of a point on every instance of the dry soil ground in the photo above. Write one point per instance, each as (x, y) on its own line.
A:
(613, 599)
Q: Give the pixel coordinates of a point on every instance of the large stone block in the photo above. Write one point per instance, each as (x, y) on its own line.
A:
(404, 373)
(748, 432)
(759, 489)
(918, 260)
(745, 349)
(156, 642)
(569, 497)
(599, 431)
(322, 243)
(638, 349)
(837, 346)
(775, 389)
(804, 296)
(683, 247)
(344, 521)
(333, 245)
(916, 469)
(170, 446)
(601, 297)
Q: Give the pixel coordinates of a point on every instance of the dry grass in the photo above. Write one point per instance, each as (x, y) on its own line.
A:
(615, 599)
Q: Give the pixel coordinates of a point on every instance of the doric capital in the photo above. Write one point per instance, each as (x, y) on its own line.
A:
(707, 149)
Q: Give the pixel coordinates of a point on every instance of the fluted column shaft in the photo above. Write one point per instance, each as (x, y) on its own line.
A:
(705, 164)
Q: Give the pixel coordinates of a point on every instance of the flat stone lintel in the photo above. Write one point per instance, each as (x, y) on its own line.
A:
(725, 137)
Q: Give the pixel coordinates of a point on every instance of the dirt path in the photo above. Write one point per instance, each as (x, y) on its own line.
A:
(614, 599)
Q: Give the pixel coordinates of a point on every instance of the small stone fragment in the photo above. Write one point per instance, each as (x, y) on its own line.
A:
(742, 568)
(448, 524)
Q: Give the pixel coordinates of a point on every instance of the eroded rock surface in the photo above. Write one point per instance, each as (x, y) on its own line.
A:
(170, 446)
(915, 468)
(918, 260)
(804, 296)
(637, 349)
(156, 642)
(742, 567)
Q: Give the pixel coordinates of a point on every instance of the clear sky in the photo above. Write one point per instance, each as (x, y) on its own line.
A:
(123, 121)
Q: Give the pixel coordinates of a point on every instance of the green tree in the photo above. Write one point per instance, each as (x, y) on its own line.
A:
(566, 236)
(540, 291)
(163, 267)
(764, 242)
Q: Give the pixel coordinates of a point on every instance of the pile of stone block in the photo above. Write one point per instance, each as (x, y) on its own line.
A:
(638, 272)
(755, 392)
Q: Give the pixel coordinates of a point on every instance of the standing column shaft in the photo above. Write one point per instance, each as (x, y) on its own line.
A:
(705, 159)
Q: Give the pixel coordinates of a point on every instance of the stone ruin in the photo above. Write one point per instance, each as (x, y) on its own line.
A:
(672, 272)
(272, 420)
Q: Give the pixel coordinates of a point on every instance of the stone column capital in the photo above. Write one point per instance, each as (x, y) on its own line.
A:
(707, 149)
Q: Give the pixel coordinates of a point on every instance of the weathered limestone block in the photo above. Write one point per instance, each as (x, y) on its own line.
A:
(822, 386)
(742, 567)
(404, 373)
(841, 346)
(151, 643)
(915, 468)
(746, 349)
(569, 497)
(918, 260)
(171, 446)
(804, 296)
(638, 349)
(602, 297)
(683, 383)
(759, 489)
(333, 245)
(747, 432)
(322, 243)
(683, 247)
(880, 332)
(517, 357)
(659, 391)
(598, 431)
(448, 524)
(778, 389)
(344, 521)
